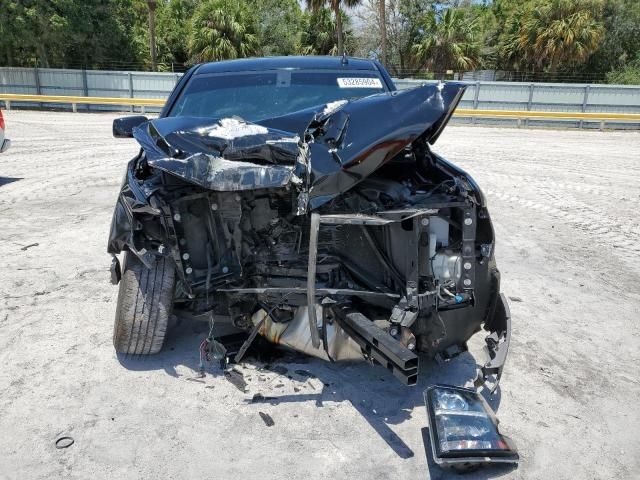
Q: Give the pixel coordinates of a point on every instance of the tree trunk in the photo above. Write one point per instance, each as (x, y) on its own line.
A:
(152, 33)
(9, 56)
(339, 36)
(383, 32)
(42, 54)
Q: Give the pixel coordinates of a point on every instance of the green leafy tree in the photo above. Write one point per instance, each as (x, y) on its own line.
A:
(16, 46)
(223, 29)
(279, 26)
(621, 42)
(405, 29)
(402, 29)
(47, 30)
(173, 28)
(628, 74)
(97, 35)
(336, 7)
(64, 32)
(449, 41)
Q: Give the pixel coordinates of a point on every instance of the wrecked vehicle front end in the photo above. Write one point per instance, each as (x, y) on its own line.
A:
(334, 230)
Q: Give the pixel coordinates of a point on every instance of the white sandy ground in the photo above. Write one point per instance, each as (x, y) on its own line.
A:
(565, 208)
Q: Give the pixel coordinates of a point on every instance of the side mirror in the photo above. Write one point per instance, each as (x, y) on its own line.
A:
(123, 127)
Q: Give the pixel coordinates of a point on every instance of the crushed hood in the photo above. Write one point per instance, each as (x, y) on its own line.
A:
(323, 151)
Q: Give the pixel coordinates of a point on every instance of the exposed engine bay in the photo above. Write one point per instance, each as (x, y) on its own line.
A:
(327, 231)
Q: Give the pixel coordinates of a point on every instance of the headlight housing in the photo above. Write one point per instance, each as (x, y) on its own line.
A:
(464, 430)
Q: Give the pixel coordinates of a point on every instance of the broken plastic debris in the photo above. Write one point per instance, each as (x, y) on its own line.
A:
(236, 378)
(266, 418)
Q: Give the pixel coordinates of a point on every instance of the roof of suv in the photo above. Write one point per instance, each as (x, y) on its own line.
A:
(270, 63)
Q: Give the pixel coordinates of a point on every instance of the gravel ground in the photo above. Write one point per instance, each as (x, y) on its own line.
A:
(564, 208)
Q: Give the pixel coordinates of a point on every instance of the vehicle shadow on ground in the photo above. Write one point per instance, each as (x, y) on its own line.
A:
(373, 391)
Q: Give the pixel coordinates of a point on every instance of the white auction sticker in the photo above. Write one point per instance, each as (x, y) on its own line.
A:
(359, 82)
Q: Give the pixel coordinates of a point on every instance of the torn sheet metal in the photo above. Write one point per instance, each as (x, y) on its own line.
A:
(342, 142)
(223, 155)
(361, 136)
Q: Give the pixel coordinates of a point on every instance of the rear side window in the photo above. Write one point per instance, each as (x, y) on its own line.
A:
(256, 96)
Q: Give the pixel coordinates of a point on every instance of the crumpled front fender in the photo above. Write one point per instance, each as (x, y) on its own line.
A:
(133, 200)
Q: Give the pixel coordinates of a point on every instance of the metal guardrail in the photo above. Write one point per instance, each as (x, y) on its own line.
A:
(461, 112)
(527, 114)
(75, 101)
(480, 96)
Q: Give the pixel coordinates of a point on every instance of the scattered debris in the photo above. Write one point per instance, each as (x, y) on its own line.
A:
(236, 378)
(305, 374)
(26, 247)
(515, 299)
(65, 442)
(266, 418)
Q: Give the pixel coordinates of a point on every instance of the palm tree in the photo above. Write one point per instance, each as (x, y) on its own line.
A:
(335, 5)
(561, 32)
(449, 41)
(509, 55)
(318, 34)
(222, 29)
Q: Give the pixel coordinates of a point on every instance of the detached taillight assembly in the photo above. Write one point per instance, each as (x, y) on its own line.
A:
(464, 430)
(1, 121)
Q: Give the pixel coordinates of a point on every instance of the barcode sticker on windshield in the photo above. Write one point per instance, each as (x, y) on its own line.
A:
(359, 82)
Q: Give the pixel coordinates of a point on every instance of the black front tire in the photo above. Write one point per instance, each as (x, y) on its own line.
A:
(145, 301)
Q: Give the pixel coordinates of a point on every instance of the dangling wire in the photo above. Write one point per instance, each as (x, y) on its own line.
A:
(210, 343)
(210, 347)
